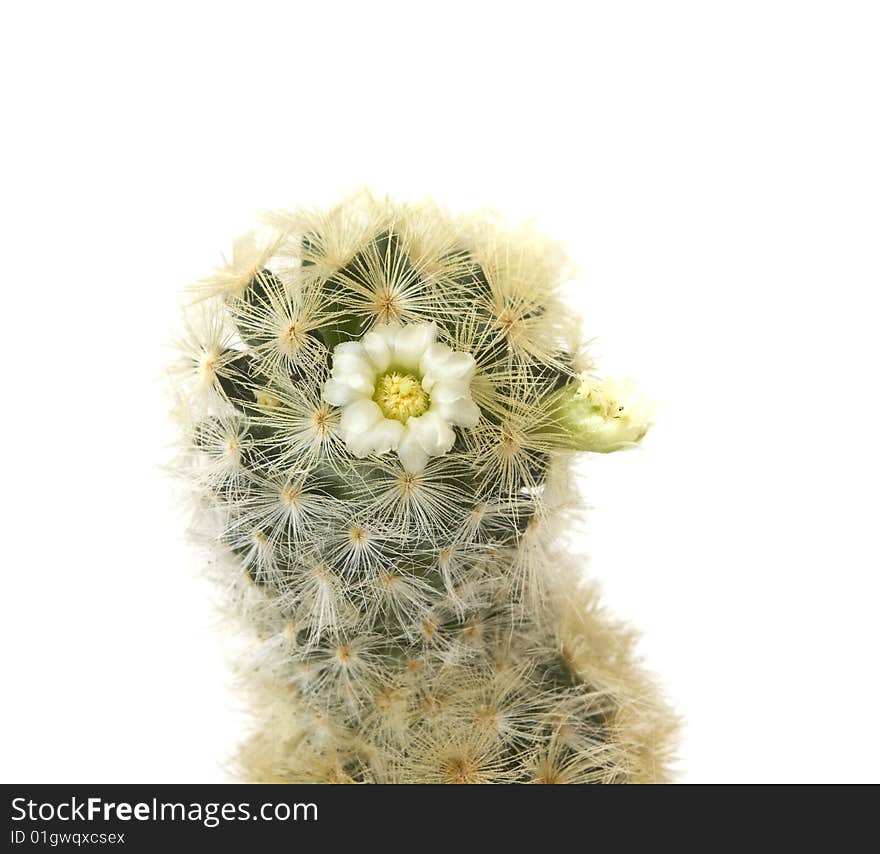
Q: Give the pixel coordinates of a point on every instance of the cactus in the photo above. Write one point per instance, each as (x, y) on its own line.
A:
(381, 407)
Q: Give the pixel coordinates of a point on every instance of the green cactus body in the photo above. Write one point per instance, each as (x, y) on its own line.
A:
(415, 616)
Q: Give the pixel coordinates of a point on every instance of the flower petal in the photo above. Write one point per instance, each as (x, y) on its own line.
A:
(356, 371)
(357, 419)
(410, 344)
(434, 435)
(385, 436)
(433, 357)
(411, 454)
(361, 383)
(348, 348)
(447, 391)
(343, 363)
(459, 366)
(377, 345)
(338, 393)
(463, 412)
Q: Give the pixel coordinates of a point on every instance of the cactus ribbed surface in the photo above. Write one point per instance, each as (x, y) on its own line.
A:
(382, 403)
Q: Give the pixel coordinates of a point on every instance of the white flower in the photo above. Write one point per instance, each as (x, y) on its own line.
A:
(603, 415)
(401, 390)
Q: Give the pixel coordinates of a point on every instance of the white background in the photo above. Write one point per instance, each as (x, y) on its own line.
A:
(713, 168)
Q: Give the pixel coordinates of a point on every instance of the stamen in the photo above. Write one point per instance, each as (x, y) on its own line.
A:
(401, 396)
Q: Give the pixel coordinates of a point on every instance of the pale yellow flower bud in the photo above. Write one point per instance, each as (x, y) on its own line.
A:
(601, 415)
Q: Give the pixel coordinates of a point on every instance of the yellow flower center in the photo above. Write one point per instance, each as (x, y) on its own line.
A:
(400, 396)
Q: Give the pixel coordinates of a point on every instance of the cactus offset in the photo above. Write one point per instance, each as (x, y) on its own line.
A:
(382, 403)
